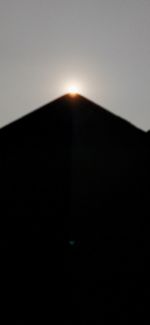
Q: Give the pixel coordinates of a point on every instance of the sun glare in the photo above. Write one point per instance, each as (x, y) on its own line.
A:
(73, 90)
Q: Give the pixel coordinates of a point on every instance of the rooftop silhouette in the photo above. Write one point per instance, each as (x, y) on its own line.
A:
(72, 106)
(74, 195)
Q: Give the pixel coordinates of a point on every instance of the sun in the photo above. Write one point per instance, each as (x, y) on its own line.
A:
(73, 90)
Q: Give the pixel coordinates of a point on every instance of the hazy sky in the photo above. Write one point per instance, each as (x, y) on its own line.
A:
(103, 46)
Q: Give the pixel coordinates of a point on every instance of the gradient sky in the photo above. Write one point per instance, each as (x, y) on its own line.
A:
(103, 46)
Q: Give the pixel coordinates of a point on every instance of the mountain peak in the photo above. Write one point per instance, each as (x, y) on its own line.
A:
(76, 112)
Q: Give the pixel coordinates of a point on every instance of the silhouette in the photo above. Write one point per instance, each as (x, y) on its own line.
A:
(74, 197)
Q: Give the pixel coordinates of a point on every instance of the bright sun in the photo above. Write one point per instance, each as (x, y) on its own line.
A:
(73, 90)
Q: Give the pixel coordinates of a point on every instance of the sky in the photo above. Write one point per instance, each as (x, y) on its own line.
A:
(100, 46)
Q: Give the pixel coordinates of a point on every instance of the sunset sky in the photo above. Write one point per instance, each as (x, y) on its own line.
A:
(101, 47)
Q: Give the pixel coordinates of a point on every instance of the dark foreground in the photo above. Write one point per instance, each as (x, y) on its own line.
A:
(74, 223)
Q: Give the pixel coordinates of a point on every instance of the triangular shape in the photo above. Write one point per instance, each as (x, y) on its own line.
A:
(72, 172)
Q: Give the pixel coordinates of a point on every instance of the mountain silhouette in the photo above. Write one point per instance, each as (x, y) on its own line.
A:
(73, 201)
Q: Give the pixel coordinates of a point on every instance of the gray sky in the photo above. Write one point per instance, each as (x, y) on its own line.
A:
(102, 46)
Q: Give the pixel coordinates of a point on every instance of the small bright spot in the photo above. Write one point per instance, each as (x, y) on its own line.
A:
(72, 242)
(72, 87)
(73, 90)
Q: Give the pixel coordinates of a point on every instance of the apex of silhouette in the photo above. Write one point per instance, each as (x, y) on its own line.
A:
(81, 174)
(71, 112)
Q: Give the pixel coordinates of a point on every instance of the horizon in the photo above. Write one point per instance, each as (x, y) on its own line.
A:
(100, 47)
(72, 98)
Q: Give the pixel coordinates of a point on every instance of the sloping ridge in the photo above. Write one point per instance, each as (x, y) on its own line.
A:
(70, 107)
(80, 145)
(73, 171)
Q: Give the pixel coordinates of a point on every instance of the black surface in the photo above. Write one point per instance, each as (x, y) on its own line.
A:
(74, 220)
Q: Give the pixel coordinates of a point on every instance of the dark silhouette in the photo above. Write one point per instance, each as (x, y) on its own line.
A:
(74, 197)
